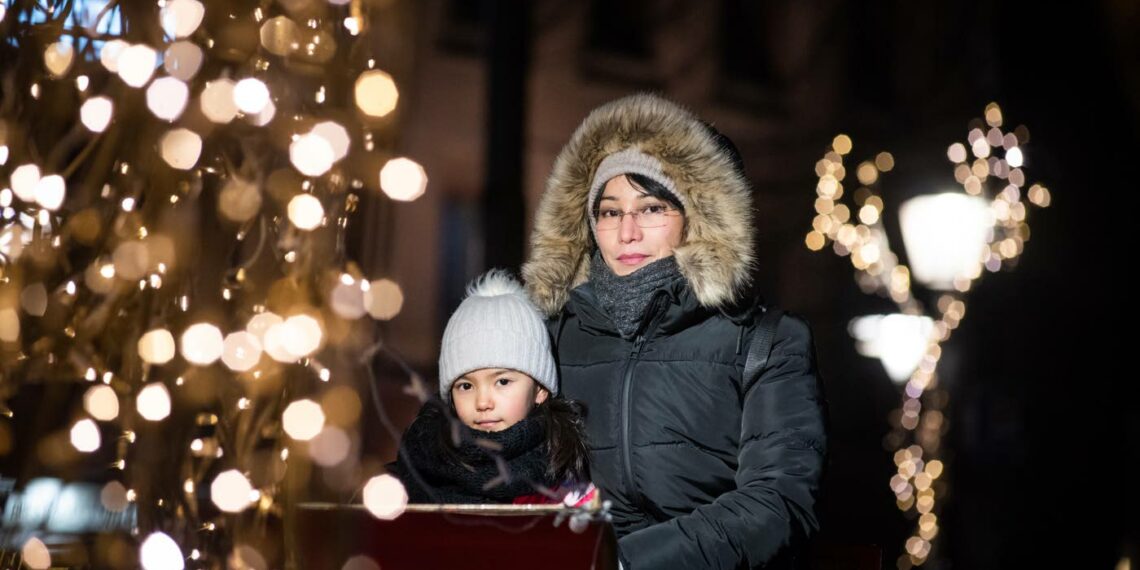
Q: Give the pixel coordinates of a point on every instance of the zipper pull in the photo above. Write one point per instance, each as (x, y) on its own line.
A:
(640, 340)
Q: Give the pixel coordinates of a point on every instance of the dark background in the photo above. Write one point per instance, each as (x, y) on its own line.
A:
(1040, 428)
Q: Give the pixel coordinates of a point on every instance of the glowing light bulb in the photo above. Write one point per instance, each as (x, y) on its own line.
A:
(305, 211)
(403, 179)
(136, 64)
(376, 93)
(95, 114)
(153, 402)
(167, 98)
(385, 497)
(251, 95)
(160, 552)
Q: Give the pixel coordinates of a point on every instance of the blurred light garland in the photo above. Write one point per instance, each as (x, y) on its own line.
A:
(857, 231)
(176, 179)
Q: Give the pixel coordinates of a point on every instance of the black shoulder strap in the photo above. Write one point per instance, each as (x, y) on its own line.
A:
(761, 345)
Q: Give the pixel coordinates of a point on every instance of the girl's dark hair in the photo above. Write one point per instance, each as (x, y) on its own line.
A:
(646, 184)
(565, 423)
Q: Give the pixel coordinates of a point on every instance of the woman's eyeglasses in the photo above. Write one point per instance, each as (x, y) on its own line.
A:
(650, 216)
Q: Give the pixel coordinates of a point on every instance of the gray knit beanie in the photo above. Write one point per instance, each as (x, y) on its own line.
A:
(496, 326)
(628, 161)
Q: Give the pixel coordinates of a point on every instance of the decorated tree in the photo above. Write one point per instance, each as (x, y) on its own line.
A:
(181, 325)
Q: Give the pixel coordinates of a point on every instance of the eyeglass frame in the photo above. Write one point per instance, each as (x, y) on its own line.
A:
(635, 213)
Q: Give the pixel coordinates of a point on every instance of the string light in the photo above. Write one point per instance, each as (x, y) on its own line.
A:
(403, 179)
(303, 419)
(136, 64)
(166, 97)
(35, 554)
(85, 436)
(376, 93)
(917, 426)
(160, 552)
(153, 402)
(230, 491)
(250, 95)
(385, 497)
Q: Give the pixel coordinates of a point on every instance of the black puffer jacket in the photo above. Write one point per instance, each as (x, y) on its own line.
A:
(705, 468)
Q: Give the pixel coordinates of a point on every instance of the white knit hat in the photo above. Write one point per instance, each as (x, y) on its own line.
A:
(496, 326)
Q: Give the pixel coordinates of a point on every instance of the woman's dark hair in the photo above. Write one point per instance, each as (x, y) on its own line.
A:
(647, 185)
(727, 147)
(564, 423)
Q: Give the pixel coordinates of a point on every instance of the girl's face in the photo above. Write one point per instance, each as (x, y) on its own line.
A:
(630, 247)
(494, 399)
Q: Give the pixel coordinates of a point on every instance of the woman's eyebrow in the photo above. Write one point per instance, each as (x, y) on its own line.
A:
(639, 197)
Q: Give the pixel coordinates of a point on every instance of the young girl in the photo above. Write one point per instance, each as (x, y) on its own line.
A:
(500, 433)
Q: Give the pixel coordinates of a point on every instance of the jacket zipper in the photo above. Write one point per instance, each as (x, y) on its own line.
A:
(627, 461)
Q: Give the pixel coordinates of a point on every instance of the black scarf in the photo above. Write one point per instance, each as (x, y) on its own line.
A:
(626, 298)
(471, 473)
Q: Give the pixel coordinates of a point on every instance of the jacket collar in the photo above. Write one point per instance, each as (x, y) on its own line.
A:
(675, 307)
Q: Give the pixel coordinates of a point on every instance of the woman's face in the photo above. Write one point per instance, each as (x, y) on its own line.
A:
(630, 247)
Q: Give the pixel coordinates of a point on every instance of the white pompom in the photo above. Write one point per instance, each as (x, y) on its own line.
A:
(494, 283)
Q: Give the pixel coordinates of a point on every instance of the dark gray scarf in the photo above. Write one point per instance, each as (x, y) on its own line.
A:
(626, 298)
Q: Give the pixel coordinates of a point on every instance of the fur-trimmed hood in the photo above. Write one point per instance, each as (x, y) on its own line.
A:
(716, 252)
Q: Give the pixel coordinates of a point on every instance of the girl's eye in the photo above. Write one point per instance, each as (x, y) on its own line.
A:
(653, 209)
(503, 381)
(609, 213)
(463, 386)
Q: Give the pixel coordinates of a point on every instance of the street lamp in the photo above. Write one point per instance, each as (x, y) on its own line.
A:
(951, 239)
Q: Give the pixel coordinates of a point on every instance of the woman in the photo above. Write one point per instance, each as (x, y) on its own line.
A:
(642, 253)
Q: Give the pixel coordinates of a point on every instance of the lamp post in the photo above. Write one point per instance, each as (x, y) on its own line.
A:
(951, 239)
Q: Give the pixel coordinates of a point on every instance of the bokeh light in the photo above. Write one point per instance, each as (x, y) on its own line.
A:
(181, 17)
(156, 346)
(385, 497)
(136, 64)
(231, 491)
(376, 93)
(202, 344)
(101, 402)
(241, 351)
(217, 101)
(251, 95)
(384, 299)
(311, 154)
(181, 148)
(50, 191)
(160, 552)
(95, 113)
(153, 402)
(330, 447)
(85, 436)
(35, 554)
(182, 60)
(58, 57)
(167, 98)
(306, 212)
(403, 179)
(303, 420)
